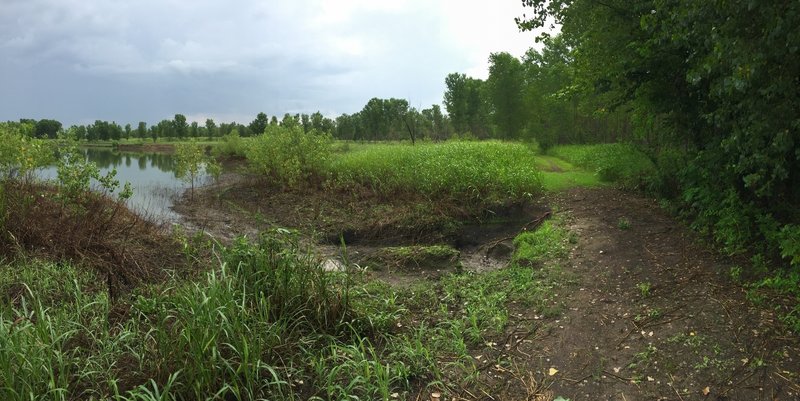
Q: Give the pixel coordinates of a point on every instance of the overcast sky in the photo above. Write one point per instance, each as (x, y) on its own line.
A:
(145, 60)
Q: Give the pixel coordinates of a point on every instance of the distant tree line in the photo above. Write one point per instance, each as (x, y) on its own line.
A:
(381, 119)
(540, 96)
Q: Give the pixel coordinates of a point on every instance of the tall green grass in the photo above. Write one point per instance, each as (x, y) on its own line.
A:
(468, 171)
(239, 333)
(619, 163)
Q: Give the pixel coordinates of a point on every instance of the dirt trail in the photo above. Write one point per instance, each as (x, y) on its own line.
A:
(654, 316)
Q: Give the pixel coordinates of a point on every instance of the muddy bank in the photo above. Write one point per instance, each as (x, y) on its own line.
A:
(370, 227)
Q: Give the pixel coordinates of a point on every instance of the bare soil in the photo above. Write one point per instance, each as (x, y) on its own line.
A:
(652, 315)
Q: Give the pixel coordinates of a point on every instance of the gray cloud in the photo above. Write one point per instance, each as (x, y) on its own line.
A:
(81, 60)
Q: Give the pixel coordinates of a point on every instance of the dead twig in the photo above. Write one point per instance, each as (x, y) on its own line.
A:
(672, 380)
(618, 377)
(532, 225)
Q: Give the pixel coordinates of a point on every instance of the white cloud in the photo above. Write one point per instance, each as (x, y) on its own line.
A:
(231, 59)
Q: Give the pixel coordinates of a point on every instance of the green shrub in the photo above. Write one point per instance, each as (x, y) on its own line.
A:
(21, 154)
(665, 181)
(290, 156)
(191, 162)
(231, 145)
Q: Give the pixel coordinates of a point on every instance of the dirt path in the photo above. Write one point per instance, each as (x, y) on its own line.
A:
(654, 316)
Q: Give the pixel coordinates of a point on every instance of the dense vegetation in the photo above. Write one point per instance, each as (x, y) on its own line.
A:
(711, 93)
(267, 323)
(463, 171)
(695, 103)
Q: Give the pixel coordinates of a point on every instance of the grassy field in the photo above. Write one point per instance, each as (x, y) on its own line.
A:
(470, 171)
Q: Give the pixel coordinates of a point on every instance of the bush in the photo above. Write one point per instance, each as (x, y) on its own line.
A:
(290, 156)
(21, 154)
(192, 162)
(231, 145)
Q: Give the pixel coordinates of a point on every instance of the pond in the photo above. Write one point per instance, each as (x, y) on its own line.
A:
(151, 175)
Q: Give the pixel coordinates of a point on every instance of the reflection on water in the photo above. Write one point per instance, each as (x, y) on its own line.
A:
(151, 176)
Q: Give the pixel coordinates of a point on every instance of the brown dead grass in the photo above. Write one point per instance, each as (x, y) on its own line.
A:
(94, 231)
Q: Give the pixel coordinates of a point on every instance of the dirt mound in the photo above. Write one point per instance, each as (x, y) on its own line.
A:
(239, 204)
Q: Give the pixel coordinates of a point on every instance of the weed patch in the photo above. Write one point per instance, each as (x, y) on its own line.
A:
(290, 156)
(477, 172)
(548, 242)
(415, 257)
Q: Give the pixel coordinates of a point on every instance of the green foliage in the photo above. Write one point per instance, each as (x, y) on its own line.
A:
(613, 162)
(290, 156)
(466, 171)
(191, 161)
(789, 239)
(547, 242)
(266, 323)
(504, 89)
(465, 101)
(41, 321)
(224, 334)
(644, 289)
(258, 125)
(20, 154)
(75, 176)
(712, 92)
(295, 286)
(231, 145)
(785, 284)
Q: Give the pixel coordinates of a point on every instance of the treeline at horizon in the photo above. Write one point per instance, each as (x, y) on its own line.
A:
(522, 99)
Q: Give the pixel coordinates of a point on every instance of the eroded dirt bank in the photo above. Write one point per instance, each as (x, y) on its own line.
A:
(242, 205)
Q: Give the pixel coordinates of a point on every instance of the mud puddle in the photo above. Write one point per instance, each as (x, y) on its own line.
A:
(482, 245)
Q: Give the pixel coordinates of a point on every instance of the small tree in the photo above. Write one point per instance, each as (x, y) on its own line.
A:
(192, 162)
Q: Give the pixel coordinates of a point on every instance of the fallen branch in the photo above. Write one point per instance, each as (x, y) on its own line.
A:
(532, 225)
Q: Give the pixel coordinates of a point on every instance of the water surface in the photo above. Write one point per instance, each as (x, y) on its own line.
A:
(151, 175)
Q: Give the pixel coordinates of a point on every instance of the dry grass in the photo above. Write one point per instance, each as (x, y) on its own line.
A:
(94, 231)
